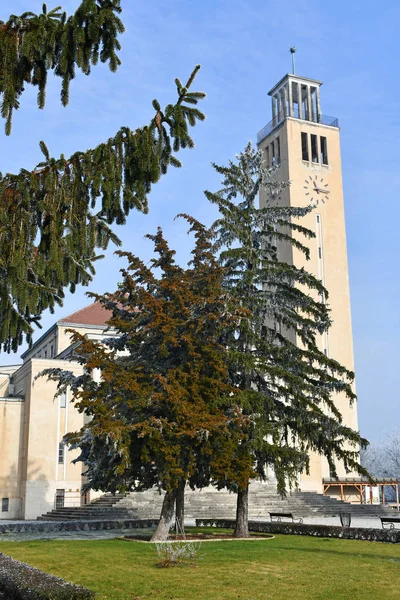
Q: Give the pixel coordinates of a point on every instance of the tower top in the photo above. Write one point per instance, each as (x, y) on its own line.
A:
(290, 78)
(296, 97)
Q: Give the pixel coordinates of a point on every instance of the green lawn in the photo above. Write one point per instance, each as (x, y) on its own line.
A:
(286, 568)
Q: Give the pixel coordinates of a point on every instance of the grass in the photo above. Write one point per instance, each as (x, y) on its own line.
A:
(286, 568)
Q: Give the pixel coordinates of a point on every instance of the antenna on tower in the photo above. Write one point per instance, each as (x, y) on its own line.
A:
(293, 52)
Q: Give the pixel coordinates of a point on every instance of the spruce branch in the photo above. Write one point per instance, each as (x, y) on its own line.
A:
(54, 218)
(33, 45)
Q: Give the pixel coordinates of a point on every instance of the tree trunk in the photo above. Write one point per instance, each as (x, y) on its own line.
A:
(242, 514)
(167, 514)
(180, 507)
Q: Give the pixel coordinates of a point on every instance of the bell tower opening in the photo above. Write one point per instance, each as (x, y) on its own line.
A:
(297, 97)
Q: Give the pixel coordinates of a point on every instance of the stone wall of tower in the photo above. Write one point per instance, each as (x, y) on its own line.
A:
(328, 258)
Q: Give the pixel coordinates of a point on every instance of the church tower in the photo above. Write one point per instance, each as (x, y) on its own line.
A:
(304, 146)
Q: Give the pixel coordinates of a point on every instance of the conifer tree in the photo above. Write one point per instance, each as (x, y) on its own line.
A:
(163, 413)
(288, 384)
(56, 218)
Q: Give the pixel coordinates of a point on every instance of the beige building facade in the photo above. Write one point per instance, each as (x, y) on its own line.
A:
(36, 472)
(304, 147)
(36, 469)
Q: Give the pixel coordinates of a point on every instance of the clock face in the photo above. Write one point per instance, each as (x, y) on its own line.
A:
(316, 189)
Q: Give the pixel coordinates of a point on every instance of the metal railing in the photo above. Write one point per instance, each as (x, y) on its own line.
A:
(321, 119)
(364, 480)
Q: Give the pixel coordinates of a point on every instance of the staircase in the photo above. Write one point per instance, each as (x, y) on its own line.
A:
(102, 509)
(211, 504)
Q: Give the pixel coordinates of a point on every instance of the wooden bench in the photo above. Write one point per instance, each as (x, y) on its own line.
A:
(389, 521)
(282, 515)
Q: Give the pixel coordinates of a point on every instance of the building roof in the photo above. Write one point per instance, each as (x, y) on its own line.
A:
(94, 314)
(294, 77)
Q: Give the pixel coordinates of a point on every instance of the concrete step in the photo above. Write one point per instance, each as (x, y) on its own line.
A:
(77, 517)
(210, 503)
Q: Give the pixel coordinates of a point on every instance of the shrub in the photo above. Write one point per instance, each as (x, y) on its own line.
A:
(19, 581)
(391, 536)
(173, 554)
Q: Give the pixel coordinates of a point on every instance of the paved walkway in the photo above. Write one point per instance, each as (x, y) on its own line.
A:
(67, 535)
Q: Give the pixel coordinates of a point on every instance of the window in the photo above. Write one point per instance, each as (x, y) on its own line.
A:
(51, 351)
(320, 252)
(60, 498)
(324, 151)
(5, 504)
(63, 400)
(304, 101)
(45, 353)
(278, 151)
(273, 154)
(61, 448)
(314, 104)
(314, 148)
(304, 146)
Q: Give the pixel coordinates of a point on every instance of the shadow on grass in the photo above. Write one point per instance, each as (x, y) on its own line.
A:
(337, 552)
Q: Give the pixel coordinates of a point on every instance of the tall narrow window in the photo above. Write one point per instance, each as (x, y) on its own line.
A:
(304, 101)
(267, 156)
(295, 100)
(273, 154)
(314, 148)
(278, 151)
(314, 104)
(324, 151)
(45, 353)
(5, 502)
(61, 448)
(63, 400)
(51, 351)
(60, 498)
(304, 146)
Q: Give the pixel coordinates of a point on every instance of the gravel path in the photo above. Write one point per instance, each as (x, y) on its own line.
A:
(67, 535)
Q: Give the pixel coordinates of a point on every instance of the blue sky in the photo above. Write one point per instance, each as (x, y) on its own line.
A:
(243, 46)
